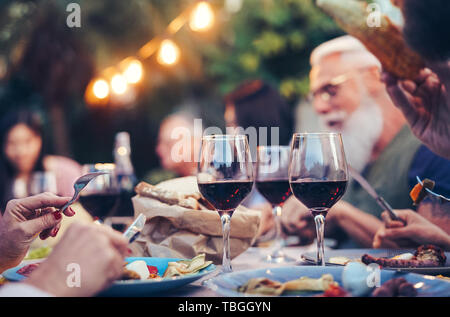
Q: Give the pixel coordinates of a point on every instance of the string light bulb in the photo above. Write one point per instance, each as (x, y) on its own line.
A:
(202, 17)
(100, 88)
(118, 84)
(133, 71)
(168, 53)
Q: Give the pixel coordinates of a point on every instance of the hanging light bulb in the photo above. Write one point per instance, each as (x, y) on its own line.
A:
(118, 84)
(202, 17)
(100, 88)
(133, 71)
(168, 53)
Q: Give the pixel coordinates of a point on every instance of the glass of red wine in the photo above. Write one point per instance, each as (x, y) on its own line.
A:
(318, 176)
(272, 181)
(101, 196)
(225, 178)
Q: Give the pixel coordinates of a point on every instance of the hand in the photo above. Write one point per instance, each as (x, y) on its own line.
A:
(417, 231)
(267, 218)
(99, 252)
(426, 106)
(23, 220)
(297, 220)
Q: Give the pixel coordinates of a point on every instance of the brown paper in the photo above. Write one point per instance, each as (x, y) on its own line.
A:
(174, 231)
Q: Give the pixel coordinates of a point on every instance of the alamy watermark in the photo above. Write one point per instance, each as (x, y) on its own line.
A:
(74, 278)
(74, 17)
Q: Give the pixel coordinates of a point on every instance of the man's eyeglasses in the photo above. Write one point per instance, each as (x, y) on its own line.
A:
(330, 90)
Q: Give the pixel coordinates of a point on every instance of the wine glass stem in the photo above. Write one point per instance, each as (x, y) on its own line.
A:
(226, 260)
(278, 241)
(320, 226)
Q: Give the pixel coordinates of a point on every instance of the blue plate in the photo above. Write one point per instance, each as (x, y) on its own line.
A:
(138, 287)
(227, 284)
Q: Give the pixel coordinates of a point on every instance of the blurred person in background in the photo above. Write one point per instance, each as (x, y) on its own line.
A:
(98, 250)
(178, 145)
(425, 101)
(256, 104)
(23, 154)
(350, 98)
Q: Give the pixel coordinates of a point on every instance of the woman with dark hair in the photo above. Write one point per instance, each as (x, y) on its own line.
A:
(23, 154)
(259, 105)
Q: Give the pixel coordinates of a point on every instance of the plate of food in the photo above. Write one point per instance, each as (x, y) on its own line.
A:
(426, 259)
(331, 281)
(142, 276)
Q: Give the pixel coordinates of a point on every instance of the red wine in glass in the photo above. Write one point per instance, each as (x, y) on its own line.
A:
(318, 195)
(225, 196)
(275, 191)
(99, 205)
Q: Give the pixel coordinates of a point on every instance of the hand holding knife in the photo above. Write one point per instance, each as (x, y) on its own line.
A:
(371, 191)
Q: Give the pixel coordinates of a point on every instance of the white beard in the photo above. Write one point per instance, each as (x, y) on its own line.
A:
(360, 131)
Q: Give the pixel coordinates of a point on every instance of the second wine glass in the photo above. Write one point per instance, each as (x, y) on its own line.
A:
(272, 181)
(225, 178)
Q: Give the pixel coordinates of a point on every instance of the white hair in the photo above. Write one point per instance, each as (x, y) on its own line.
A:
(351, 50)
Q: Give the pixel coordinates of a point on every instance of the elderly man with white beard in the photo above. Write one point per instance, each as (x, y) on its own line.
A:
(349, 97)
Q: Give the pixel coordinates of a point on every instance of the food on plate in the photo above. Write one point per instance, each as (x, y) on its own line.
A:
(340, 260)
(418, 193)
(28, 269)
(394, 288)
(425, 256)
(354, 279)
(38, 253)
(263, 286)
(335, 291)
(384, 40)
(139, 270)
(403, 256)
(184, 267)
(267, 286)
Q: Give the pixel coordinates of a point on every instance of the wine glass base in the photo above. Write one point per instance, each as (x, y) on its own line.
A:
(278, 259)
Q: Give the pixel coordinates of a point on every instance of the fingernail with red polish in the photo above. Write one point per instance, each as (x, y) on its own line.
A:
(72, 211)
(129, 251)
(43, 235)
(55, 232)
(57, 215)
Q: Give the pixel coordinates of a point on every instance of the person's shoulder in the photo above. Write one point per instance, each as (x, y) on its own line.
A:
(427, 164)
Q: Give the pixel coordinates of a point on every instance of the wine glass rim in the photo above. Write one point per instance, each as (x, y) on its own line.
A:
(223, 136)
(315, 134)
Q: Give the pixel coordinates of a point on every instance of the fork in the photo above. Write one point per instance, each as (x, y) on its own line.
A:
(79, 185)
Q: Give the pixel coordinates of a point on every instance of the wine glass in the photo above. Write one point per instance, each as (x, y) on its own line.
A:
(101, 195)
(272, 181)
(41, 182)
(318, 176)
(225, 178)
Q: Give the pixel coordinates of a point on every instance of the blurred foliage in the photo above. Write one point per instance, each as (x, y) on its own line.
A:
(268, 39)
(272, 40)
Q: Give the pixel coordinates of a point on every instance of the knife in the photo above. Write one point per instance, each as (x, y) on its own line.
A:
(371, 191)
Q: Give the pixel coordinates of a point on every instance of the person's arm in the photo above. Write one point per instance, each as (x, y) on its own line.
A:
(358, 225)
(425, 103)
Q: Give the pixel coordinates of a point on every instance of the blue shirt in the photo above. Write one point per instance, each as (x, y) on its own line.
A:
(426, 164)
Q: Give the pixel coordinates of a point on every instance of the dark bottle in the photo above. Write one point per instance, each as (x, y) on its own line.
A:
(126, 178)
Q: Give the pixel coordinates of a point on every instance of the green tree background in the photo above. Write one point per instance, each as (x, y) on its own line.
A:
(268, 39)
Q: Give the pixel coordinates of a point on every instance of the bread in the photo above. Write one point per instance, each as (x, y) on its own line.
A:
(385, 42)
(170, 197)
